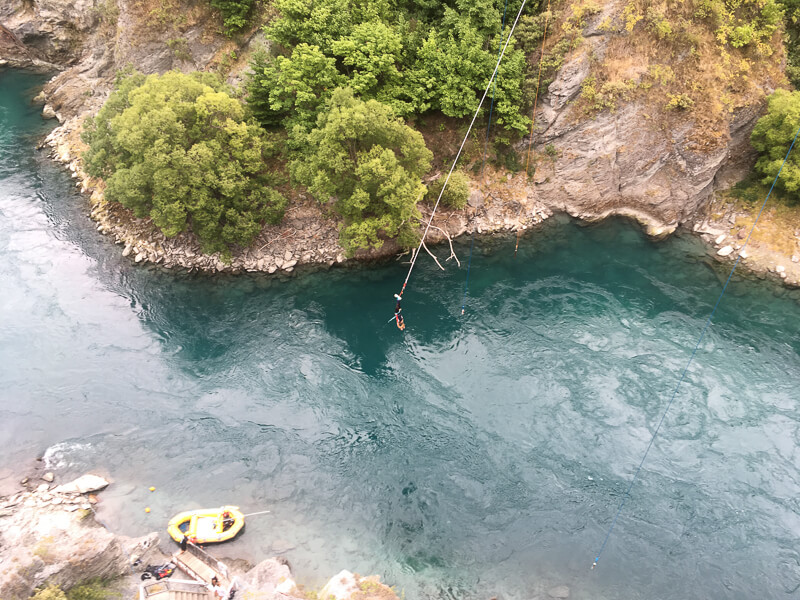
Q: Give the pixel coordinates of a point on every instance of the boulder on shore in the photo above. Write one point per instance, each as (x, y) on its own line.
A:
(82, 485)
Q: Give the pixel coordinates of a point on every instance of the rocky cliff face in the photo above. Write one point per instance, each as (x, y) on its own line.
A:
(616, 145)
(89, 41)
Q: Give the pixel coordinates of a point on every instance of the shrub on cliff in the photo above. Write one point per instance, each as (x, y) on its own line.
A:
(455, 194)
(235, 13)
(177, 148)
(368, 164)
(772, 136)
(49, 592)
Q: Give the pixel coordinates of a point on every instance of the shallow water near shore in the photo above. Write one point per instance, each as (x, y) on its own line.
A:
(468, 457)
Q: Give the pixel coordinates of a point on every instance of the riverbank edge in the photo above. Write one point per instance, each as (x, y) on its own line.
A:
(308, 237)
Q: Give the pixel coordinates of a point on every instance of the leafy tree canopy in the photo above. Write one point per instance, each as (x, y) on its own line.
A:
(179, 149)
(413, 55)
(368, 163)
(772, 136)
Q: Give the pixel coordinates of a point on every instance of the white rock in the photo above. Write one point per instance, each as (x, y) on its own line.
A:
(48, 112)
(725, 250)
(782, 275)
(82, 485)
(289, 265)
(48, 477)
(272, 269)
(43, 487)
(127, 250)
(139, 257)
(287, 256)
(720, 239)
(340, 586)
(795, 258)
(744, 253)
(779, 269)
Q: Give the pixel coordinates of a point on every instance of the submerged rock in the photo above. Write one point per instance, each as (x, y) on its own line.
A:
(560, 591)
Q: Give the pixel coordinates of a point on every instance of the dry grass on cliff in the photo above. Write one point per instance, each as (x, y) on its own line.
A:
(778, 228)
(675, 59)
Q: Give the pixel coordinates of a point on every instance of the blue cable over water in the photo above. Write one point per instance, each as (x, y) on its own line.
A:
(485, 146)
(694, 352)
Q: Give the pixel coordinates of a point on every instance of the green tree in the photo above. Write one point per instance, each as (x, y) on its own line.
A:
(370, 56)
(368, 164)
(235, 13)
(454, 65)
(292, 89)
(772, 136)
(178, 148)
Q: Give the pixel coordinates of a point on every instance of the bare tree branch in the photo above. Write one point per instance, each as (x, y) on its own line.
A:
(449, 241)
(436, 260)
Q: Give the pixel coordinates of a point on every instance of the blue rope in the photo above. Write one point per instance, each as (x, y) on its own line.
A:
(694, 352)
(469, 265)
(485, 147)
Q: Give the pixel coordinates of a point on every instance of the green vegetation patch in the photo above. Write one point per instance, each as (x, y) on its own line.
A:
(772, 137)
(455, 194)
(366, 162)
(412, 55)
(235, 13)
(179, 149)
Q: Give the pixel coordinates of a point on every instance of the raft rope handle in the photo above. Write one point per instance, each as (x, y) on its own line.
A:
(536, 97)
(694, 352)
(483, 165)
(461, 148)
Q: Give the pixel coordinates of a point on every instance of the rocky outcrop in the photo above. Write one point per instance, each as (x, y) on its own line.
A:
(50, 536)
(269, 578)
(634, 159)
(351, 586)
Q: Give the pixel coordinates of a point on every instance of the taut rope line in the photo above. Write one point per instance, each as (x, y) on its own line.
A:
(461, 148)
(694, 352)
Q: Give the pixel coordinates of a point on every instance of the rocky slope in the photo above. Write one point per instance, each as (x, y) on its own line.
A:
(630, 157)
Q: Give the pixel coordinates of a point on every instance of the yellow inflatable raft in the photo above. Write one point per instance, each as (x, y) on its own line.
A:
(207, 525)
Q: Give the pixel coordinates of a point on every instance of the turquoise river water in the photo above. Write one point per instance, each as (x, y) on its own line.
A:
(469, 457)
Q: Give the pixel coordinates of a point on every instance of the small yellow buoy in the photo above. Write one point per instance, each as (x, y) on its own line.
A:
(152, 489)
(147, 510)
